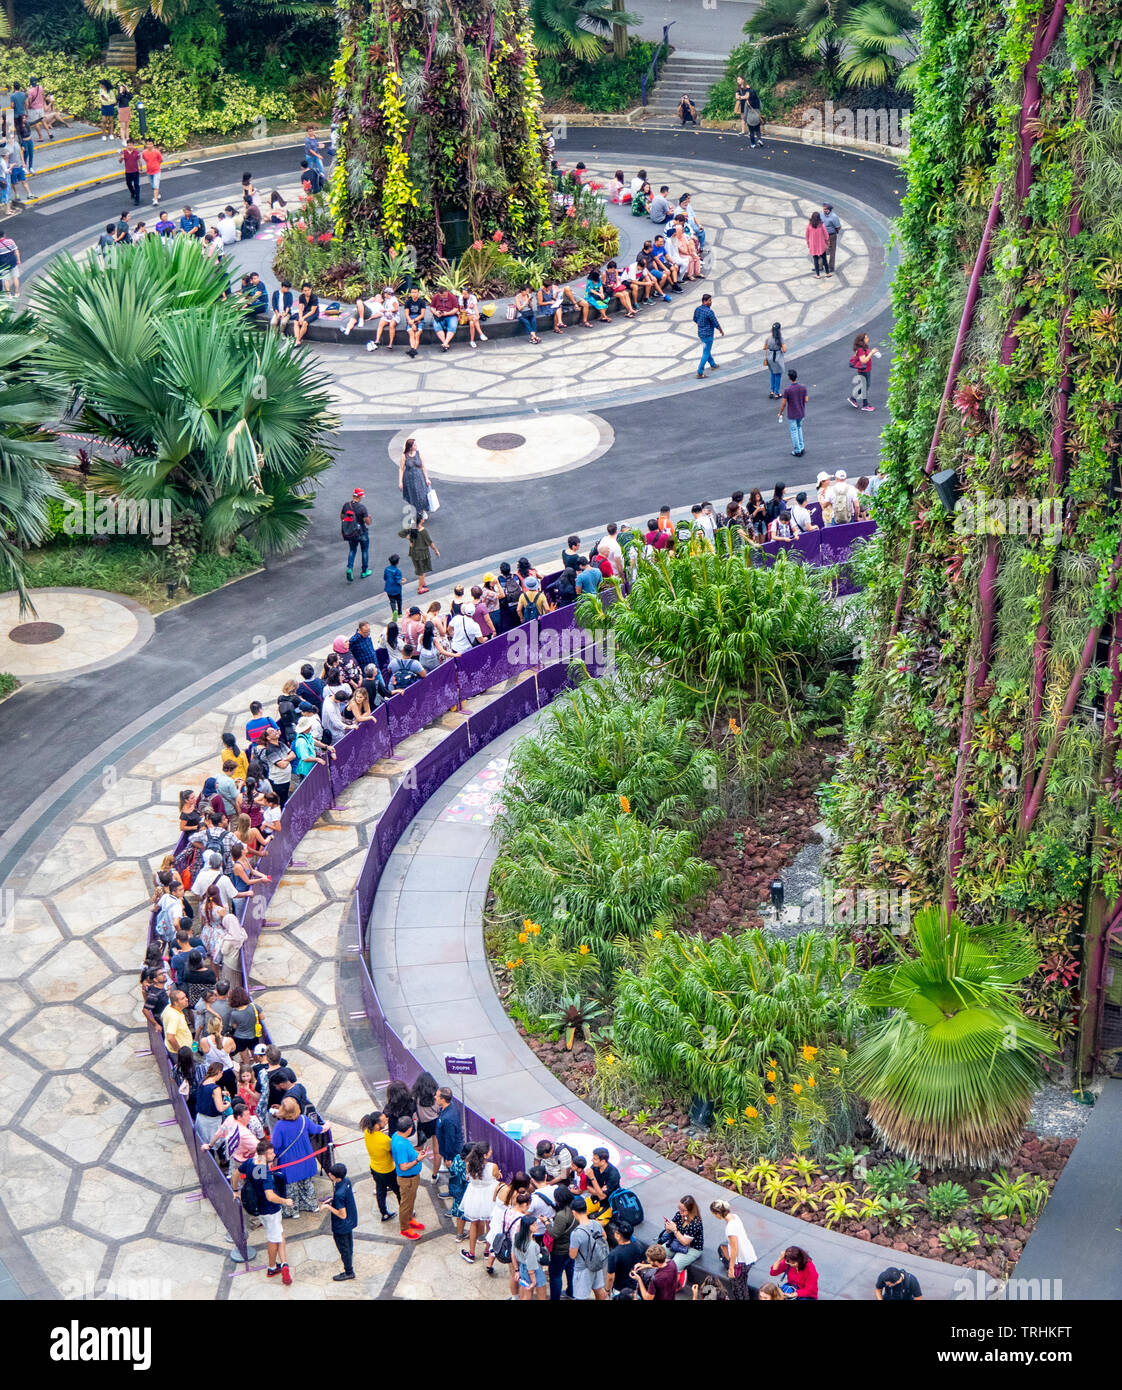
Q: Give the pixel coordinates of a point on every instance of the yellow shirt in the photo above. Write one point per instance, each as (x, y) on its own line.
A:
(378, 1147)
(242, 760)
(176, 1032)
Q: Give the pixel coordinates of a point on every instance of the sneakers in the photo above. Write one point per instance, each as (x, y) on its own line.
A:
(389, 1216)
(467, 1256)
(350, 577)
(339, 1278)
(286, 1274)
(272, 1271)
(411, 1234)
(412, 352)
(482, 336)
(346, 329)
(868, 407)
(365, 574)
(416, 1225)
(473, 343)
(853, 403)
(371, 345)
(701, 376)
(666, 299)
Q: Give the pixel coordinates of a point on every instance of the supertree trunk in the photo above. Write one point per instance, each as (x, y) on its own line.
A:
(440, 126)
(979, 774)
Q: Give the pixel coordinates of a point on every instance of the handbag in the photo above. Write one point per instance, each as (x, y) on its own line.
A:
(434, 501)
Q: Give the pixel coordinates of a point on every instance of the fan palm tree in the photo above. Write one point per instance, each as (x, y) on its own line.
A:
(27, 450)
(875, 35)
(576, 27)
(949, 1076)
(227, 423)
(130, 13)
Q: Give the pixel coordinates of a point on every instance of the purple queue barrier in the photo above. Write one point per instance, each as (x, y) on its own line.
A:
(365, 745)
(506, 1151)
(502, 713)
(492, 662)
(554, 679)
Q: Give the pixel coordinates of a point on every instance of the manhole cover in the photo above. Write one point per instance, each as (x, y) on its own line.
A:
(501, 441)
(35, 634)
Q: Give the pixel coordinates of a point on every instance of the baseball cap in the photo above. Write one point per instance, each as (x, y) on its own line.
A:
(841, 475)
(488, 579)
(358, 492)
(306, 707)
(260, 1050)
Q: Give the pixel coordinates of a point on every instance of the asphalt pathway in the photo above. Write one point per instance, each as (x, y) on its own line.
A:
(678, 450)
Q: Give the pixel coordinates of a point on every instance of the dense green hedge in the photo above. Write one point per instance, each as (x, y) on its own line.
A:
(608, 84)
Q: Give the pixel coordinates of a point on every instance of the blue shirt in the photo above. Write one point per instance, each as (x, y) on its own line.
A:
(706, 321)
(406, 1162)
(19, 103)
(449, 1135)
(343, 1196)
(192, 224)
(362, 649)
(293, 1145)
(391, 577)
(588, 581)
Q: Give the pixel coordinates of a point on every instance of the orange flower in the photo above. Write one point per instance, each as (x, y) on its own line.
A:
(523, 937)
(527, 925)
(809, 1053)
(536, 929)
(729, 1120)
(798, 1090)
(625, 805)
(771, 1100)
(734, 727)
(751, 1112)
(771, 1076)
(810, 1081)
(510, 965)
(518, 961)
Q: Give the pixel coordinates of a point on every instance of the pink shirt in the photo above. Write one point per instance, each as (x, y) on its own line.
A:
(817, 239)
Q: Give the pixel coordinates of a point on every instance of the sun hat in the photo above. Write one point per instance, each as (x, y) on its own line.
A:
(340, 645)
(304, 726)
(822, 478)
(531, 582)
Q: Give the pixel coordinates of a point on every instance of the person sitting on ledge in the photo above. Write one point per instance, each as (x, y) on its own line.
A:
(366, 306)
(595, 297)
(615, 285)
(551, 300)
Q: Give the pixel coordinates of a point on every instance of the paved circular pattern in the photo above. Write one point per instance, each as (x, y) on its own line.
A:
(71, 631)
(35, 634)
(495, 443)
(529, 447)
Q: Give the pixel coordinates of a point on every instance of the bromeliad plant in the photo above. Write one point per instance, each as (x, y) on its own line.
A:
(950, 1073)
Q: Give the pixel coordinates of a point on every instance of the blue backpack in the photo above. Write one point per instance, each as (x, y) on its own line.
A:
(627, 1207)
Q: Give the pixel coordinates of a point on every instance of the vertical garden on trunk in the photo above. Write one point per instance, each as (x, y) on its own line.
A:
(983, 770)
(441, 132)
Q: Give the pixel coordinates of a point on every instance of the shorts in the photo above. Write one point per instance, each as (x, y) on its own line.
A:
(109, 110)
(155, 179)
(273, 1222)
(531, 1278)
(584, 1281)
(426, 1129)
(449, 324)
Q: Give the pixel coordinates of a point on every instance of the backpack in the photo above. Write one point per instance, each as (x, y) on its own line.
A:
(402, 676)
(854, 362)
(502, 1247)
(627, 1207)
(219, 846)
(250, 1202)
(349, 526)
(512, 588)
(843, 504)
(596, 1253)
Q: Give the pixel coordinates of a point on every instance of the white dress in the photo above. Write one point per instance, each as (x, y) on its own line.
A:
(478, 1201)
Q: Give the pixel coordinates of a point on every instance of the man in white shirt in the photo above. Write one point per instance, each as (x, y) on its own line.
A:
(333, 705)
(638, 181)
(464, 633)
(704, 521)
(213, 874)
(226, 227)
(801, 516)
(843, 498)
(610, 548)
(387, 318)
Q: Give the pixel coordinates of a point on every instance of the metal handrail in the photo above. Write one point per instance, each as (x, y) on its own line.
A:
(651, 74)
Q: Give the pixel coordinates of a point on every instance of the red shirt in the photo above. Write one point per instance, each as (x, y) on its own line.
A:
(605, 567)
(805, 1281)
(131, 155)
(664, 1284)
(153, 159)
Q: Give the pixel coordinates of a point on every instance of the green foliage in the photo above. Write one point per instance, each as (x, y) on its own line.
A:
(1023, 1195)
(8, 683)
(576, 27)
(600, 83)
(596, 746)
(959, 1239)
(27, 450)
(228, 423)
(896, 1210)
(950, 1074)
(725, 632)
(892, 1178)
(759, 1026)
(946, 1199)
(845, 1160)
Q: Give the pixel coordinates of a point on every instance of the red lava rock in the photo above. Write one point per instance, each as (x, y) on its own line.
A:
(881, 1240)
(900, 1245)
(862, 1235)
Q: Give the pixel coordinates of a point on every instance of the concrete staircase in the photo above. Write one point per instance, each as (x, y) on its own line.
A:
(75, 160)
(693, 73)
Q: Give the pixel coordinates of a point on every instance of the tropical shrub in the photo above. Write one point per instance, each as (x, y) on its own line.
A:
(950, 1074)
(600, 881)
(758, 1026)
(725, 632)
(946, 1199)
(601, 83)
(543, 970)
(598, 748)
(27, 450)
(191, 403)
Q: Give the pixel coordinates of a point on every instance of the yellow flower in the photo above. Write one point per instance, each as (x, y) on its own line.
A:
(771, 1100)
(610, 1059)
(798, 1090)
(771, 1076)
(835, 1071)
(625, 805)
(526, 924)
(729, 1120)
(810, 1081)
(751, 1112)
(772, 1063)
(536, 929)
(523, 937)
(658, 936)
(584, 950)
(518, 961)
(510, 965)
(809, 1053)
(843, 1052)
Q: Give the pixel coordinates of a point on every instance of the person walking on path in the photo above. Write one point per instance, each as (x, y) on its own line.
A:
(37, 108)
(407, 1165)
(420, 545)
(754, 122)
(130, 158)
(392, 578)
(774, 360)
(413, 480)
(898, 1286)
(862, 363)
(344, 1219)
(354, 526)
(269, 1189)
(795, 397)
(707, 325)
(124, 111)
(817, 242)
(832, 222)
(153, 158)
